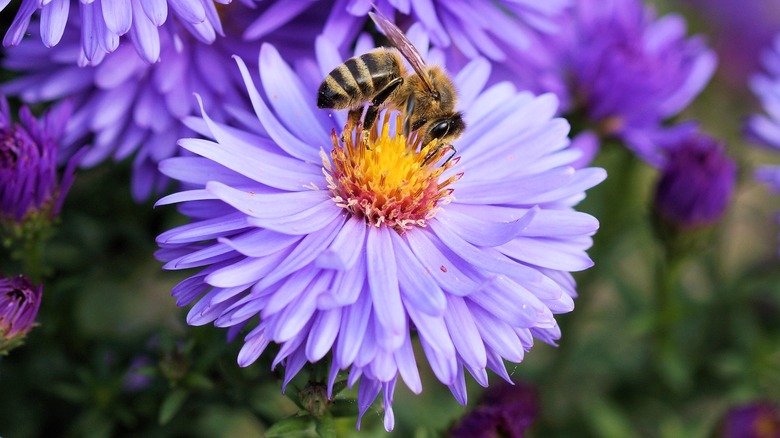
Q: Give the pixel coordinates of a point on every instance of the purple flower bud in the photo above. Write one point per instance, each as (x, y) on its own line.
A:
(696, 185)
(28, 164)
(19, 302)
(754, 420)
(504, 411)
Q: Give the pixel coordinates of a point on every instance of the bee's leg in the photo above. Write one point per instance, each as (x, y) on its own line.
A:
(379, 99)
(435, 151)
(408, 116)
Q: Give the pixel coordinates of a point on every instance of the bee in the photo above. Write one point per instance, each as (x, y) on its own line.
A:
(426, 97)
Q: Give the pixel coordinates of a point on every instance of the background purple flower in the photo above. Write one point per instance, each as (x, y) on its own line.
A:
(739, 32)
(29, 185)
(619, 69)
(696, 183)
(477, 277)
(127, 106)
(752, 420)
(505, 410)
(103, 22)
(19, 303)
(496, 30)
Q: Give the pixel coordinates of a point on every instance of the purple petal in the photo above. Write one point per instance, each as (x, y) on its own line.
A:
(269, 206)
(323, 334)
(259, 243)
(155, 10)
(305, 252)
(286, 140)
(18, 27)
(204, 230)
(118, 15)
(54, 16)
(277, 15)
(246, 271)
(407, 366)
(383, 285)
(295, 110)
(445, 271)
(343, 252)
(190, 11)
(418, 288)
(144, 34)
(346, 287)
(295, 316)
(498, 335)
(512, 303)
(548, 253)
(254, 345)
(486, 233)
(353, 327)
(464, 333)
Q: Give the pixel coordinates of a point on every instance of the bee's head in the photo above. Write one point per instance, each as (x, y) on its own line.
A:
(446, 129)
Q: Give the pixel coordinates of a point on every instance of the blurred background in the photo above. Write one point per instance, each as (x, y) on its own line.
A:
(113, 356)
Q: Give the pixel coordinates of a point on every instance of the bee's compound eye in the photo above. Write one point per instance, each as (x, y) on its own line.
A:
(440, 129)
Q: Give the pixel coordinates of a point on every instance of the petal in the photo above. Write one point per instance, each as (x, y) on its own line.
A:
(464, 333)
(269, 206)
(204, 230)
(549, 253)
(512, 303)
(190, 11)
(486, 233)
(246, 271)
(118, 15)
(407, 366)
(446, 273)
(155, 10)
(254, 345)
(295, 316)
(383, 285)
(305, 252)
(259, 243)
(498, 336)
(290, 101)
(343, 252)
(280, 135)
(417, 287)
(54, 16)
(354, 323)
(323, 334)
(144, 35)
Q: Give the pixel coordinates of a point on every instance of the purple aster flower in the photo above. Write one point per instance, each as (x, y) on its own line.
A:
(101, 23)
(492, 29)
(127, 106)
(19, 302)
(753, 420)
(621, 68)
(503, 411)
(354, 245)
(29, 187)
(739, 32)
(697, 182)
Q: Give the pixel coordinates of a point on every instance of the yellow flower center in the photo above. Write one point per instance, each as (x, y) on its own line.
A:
(388, 179)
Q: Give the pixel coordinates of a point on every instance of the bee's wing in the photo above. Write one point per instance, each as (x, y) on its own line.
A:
(402, 43)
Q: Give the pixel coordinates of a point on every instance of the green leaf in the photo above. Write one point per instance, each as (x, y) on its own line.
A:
(326, 427)
(198, 381)
(343, 408)
(608, 421)
(289, 425)
(339, 386)
(171, 405)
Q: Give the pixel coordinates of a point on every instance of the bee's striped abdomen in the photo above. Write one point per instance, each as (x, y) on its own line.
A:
(357, 80)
